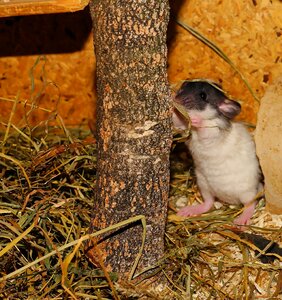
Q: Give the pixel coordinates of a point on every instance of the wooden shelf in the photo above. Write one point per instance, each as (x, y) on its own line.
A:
(10, 8)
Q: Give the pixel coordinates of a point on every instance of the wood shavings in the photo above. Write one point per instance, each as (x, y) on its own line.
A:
(63, 78)
(250, 34)
(247, 33)
(262, 218)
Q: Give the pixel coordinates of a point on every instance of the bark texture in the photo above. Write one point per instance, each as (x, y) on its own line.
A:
(133, 128)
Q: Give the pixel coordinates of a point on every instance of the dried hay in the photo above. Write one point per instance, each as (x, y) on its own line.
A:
(46, 195)
(45, 206)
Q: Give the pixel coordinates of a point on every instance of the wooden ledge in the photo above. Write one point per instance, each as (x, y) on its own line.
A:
(10, 8)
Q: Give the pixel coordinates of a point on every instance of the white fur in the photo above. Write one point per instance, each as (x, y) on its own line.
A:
(225, 159)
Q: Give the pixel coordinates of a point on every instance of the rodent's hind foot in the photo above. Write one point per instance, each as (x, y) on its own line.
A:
(244, 218)
(195, 210)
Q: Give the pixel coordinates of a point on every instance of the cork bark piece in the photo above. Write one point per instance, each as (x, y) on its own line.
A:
(268, 138)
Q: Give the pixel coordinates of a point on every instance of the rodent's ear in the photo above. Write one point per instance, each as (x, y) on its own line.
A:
(229, 108)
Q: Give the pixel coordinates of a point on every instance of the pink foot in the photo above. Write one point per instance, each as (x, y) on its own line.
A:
(246, 215)
(194, 210)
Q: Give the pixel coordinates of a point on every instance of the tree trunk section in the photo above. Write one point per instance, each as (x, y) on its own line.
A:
(133, 129)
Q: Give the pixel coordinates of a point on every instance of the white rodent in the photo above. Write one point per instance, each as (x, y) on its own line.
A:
(223, 150)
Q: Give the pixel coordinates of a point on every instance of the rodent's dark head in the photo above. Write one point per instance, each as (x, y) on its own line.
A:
(197, 95)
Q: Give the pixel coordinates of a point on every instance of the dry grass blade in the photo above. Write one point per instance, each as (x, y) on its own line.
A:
(66, 246)
(217, 50)
(17, 239)
(24, 102)
(10, 119)
(184, 134)
(18, 163)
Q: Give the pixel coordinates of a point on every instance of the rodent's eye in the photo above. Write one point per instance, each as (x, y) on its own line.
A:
(203, 95)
